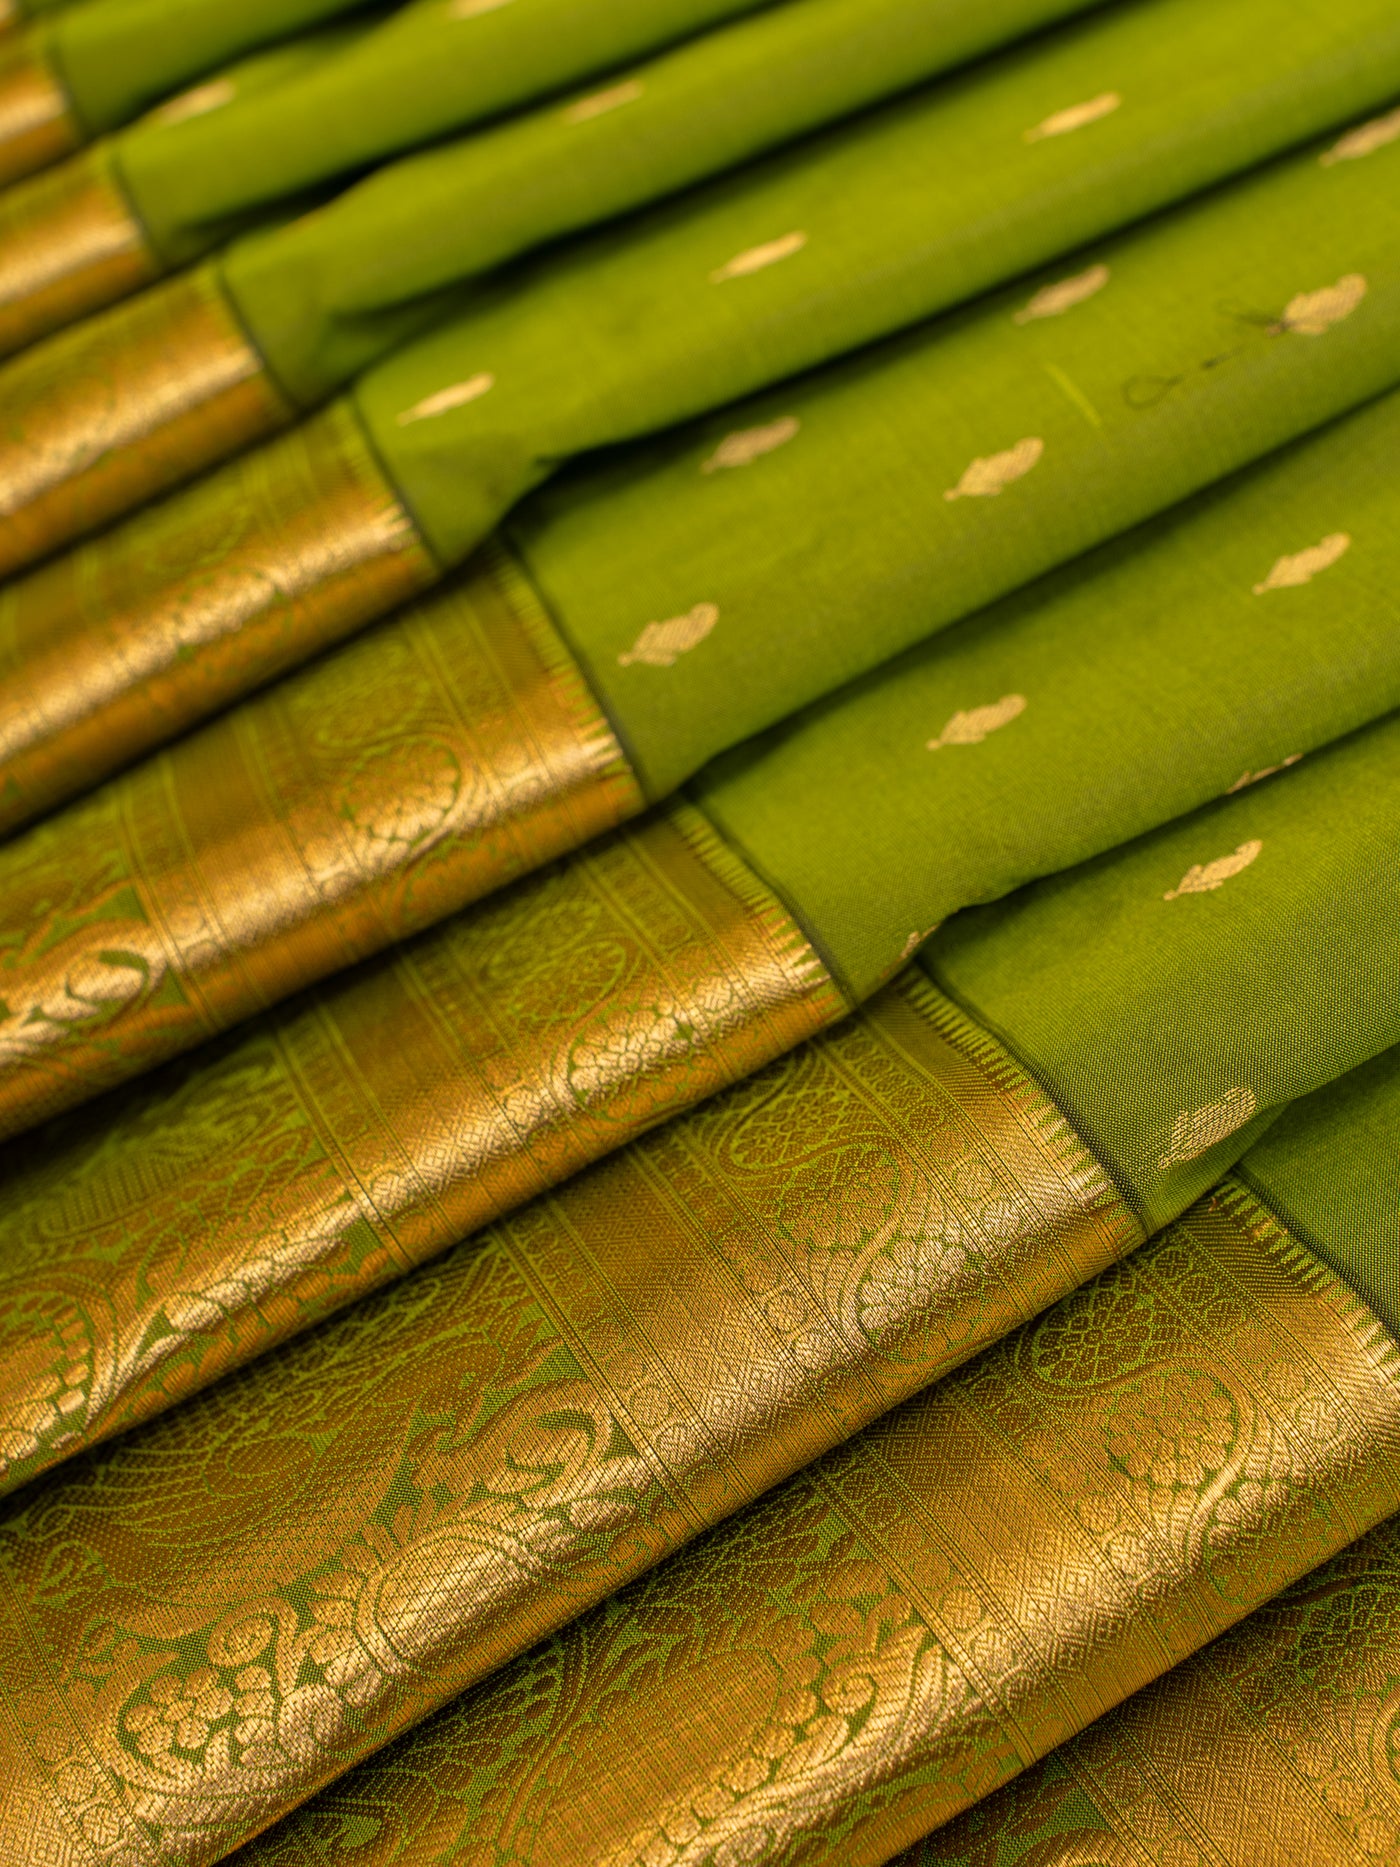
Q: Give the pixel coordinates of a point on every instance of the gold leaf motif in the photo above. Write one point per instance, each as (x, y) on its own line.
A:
(197, 102)
(473, 9)
(749, 444)
(1245, 779)
(1312, 314)
(1289, 572)
(1364, 140)
(986, 477)
(971, 728)
(456, 395)
(661, 644)
(755, 258)
(601, 102)
(1196, 1130)
(1074, 118)
(1052, 301)
(1203, 878)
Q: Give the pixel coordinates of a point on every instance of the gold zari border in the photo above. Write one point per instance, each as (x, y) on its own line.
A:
(925, 1612)
(158, 1243)
(37, 126)
(349, 806)
(69, 244)
(720, 1303)
(102, 417)
(142, 633)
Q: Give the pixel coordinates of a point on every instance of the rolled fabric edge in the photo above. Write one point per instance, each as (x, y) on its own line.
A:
(352, 804)
(37, 124)
(70, 245)
(938, 1604)
(115, 647)
(105, 416)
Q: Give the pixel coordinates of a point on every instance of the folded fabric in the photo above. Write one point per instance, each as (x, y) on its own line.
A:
(459, 746)
(891, 1635)
(154, 1244)
(1298, 1704)
(790, 263)
(96, 63)
(1275, 1746)
(340, 289)
(62, 242)
(1050, 435)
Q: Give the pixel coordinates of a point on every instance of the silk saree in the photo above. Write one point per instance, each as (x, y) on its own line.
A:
(725, 1193)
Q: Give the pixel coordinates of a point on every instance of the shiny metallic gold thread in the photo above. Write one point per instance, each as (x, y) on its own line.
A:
(347, 807)
(128, 640)
(37, 126)
(104, 416)
(69, 244)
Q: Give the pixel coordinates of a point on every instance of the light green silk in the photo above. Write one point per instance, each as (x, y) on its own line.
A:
(116, 57)
(325, 297)
(1240, 630)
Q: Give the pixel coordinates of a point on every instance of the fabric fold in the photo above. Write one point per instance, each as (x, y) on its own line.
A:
(78, 70)
(914, 1619)
(458, 747)
(800, 259)
(227, 154)
(1274, 1746)
(1178, 389)
(153, 1244)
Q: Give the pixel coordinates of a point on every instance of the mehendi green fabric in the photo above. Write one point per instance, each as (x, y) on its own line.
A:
(1275, 1746)
(1219, 333)
(235, 1199)
(117, 57)
(918, 1616)
(411, 772)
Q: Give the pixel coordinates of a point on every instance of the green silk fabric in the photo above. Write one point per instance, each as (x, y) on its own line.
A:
(1013, 744)
(1330, 1169)
(116, 57)
(1148, 999)
(1184, 366)
(325, 297)
(435, 67)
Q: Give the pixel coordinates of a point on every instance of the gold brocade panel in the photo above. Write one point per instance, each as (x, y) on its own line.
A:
(349, 806)
(37, 126)
(281, 553)
(935, 1606)
(1277, 1746)
(357, 1528)
(151, 1245)
(69, 243)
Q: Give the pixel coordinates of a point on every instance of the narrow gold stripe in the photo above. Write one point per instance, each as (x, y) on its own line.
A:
(76, 453)
(69, 245)
(36, 125)
(124, 642)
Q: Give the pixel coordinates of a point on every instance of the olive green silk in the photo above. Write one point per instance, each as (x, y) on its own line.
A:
(927, 1611)
(1033, 436)
(1275, 1745)
(1241, 631)
(1330, 1168)
(433, 219)
(116, 57)
(433, 68)
(1237, 632)
(1153, 1056)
